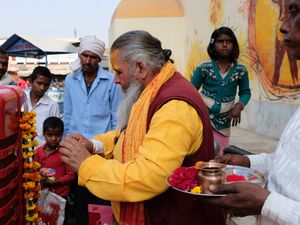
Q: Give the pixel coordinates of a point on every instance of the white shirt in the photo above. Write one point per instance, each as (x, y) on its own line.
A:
(283, 204)
(44, 108)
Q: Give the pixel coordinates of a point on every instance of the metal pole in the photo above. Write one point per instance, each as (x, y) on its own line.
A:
(46, 59)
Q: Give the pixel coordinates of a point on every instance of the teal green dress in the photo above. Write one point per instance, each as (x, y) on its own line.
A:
(219, 92)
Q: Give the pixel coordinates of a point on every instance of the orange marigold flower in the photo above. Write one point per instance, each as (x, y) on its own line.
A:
(30, 206)
(36, 177)
(36, 165)
(32, 113)
(32, 129)
(31, 217)
(29, 185)
(34, 143)
(27, 175)
(29, 195)
(27, 155)
(23, 126)
(28, 165)
(32, 121)
(26, 117)
(27, 136)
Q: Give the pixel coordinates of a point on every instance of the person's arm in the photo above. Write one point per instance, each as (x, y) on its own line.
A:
(241, 199)
(281, 209)
(175, 131)
(68, 176)
(198, 77)
(67, 106)
(250, 199)
(261, 162)
(114, 100)
(108, 141)
(37, 156)
(102, 144)
(244, 97)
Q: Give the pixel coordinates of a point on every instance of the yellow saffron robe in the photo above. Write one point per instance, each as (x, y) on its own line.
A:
(143, 178)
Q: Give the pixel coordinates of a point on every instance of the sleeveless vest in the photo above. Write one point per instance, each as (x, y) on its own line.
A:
(173, 207)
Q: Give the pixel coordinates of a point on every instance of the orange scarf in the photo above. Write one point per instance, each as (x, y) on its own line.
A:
(133, 213)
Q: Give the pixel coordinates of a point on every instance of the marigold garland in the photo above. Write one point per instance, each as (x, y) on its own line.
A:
(31, 175)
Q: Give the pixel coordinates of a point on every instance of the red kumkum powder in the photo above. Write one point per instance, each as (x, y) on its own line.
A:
(235, 177)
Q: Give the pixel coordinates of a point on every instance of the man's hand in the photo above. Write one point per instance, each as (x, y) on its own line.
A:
(84, 141)
(73, 153)
(235, 114)
(234, 159)
(243, 198)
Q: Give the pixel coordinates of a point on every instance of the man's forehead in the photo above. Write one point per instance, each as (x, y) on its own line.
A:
(115, 58)
(43, 79)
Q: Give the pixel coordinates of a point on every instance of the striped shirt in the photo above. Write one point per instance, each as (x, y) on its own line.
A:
(283, 166)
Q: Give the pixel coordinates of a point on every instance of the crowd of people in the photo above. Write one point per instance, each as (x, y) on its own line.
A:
(123, 134)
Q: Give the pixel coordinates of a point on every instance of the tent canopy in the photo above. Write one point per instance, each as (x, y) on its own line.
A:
(36, 47)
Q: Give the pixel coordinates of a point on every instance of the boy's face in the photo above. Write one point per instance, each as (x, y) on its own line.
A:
(52, 137)
(40, 85)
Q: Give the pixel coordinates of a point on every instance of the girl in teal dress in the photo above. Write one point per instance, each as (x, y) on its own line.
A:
(220, 78)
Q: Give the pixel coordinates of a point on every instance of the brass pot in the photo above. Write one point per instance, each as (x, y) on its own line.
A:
(211, 173)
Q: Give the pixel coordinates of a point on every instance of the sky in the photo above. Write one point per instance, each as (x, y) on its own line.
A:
(57, 18)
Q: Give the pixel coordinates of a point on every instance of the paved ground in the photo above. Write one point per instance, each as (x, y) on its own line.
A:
(255, 143)
(252, 142)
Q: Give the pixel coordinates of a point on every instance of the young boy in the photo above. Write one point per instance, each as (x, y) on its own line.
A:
(40, 102)
(50, 159)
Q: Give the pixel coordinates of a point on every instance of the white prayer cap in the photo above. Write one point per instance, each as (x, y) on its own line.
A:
(88, 43)
(93, 44)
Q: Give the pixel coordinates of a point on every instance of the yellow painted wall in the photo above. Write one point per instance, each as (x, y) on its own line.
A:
(256, 23)
(169, 30)
(275, 89)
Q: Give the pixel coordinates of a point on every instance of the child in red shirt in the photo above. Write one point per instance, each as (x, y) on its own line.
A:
(50, 158)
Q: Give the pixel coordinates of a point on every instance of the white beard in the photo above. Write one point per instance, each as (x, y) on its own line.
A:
(130, 96)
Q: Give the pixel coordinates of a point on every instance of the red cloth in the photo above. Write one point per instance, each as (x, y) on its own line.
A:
(100, 215)
(63, 172)
(22, 84)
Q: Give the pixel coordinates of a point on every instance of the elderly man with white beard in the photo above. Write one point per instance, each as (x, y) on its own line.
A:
(162, 124)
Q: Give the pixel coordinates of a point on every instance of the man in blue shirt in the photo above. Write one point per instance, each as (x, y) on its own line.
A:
(91, 98)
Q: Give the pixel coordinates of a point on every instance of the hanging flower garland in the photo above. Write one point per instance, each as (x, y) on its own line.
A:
(31, 175)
